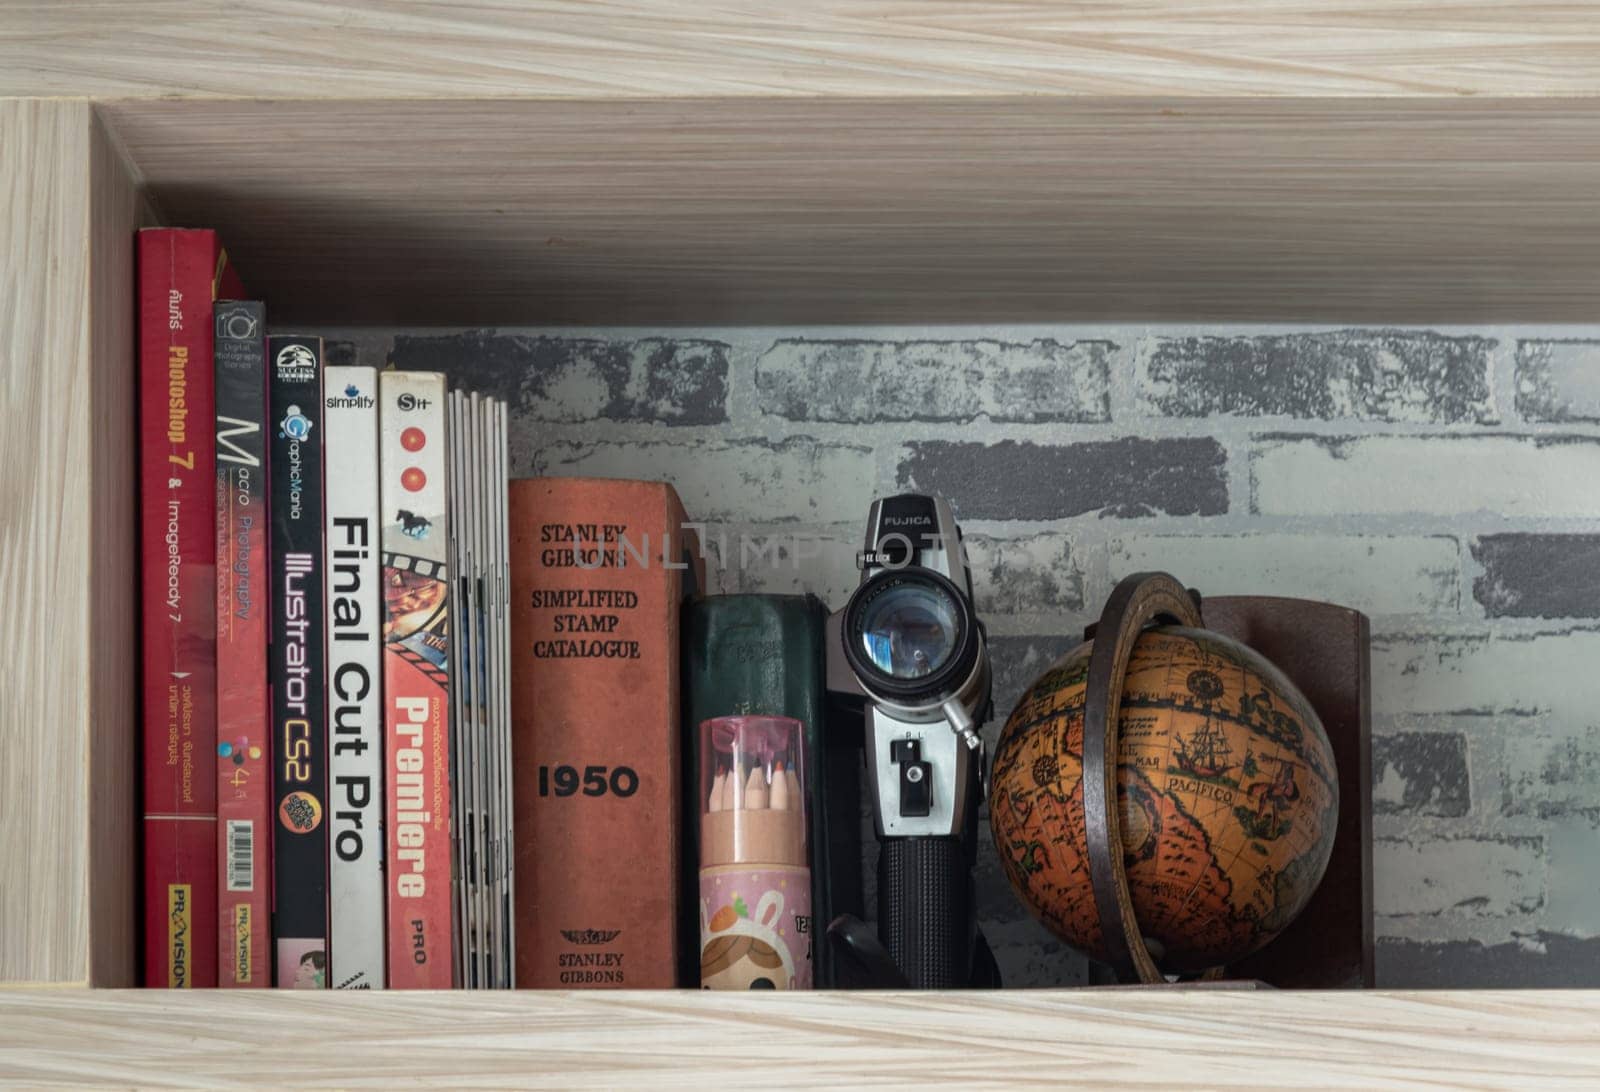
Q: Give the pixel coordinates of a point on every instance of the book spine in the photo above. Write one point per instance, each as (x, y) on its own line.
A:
(179, 274)
(417, 723)
(244, 766)
(598, 569)
(500, 695)
(355, 681)
(300, 752)
(463, 639)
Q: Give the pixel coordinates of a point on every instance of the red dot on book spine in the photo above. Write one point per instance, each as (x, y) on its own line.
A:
(413, 478)
(413, 439)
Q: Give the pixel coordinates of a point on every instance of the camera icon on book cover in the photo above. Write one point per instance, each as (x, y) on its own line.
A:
(237, 323)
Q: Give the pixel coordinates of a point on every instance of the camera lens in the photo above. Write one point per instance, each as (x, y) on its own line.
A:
(910, 631)
(909, 636)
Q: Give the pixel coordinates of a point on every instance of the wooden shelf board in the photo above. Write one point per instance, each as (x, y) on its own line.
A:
(1102, 1038)
(719, 211)
(666, 48)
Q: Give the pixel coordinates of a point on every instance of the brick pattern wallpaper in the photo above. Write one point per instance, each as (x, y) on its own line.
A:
(1445, 482)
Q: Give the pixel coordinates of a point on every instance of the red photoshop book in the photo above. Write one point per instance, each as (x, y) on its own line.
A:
(181, 275)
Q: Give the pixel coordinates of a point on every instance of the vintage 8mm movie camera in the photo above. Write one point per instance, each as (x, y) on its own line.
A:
(909, 652)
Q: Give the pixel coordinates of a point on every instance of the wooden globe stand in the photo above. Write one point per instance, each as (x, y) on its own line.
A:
(1139, 602)
(1324, 650)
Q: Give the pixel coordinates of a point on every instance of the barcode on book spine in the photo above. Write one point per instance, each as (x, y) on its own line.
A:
(241, 855)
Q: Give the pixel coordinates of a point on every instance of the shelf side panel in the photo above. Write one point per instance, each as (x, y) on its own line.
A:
(116, 211)
(46, 557)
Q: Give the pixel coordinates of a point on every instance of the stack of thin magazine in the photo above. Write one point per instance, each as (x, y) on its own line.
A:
(480, 695)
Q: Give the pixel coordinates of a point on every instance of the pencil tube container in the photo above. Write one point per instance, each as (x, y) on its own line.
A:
(755, 880)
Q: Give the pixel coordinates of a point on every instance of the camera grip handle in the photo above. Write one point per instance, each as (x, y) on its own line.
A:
(925, 910)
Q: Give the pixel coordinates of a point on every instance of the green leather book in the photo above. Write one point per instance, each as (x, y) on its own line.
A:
(757, 657)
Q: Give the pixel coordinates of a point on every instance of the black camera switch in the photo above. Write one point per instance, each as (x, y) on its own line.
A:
(916, 781)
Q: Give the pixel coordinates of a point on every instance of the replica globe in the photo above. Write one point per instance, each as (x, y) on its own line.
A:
(1227, 798)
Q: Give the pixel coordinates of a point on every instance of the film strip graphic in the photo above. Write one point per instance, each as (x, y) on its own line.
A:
(419, 584)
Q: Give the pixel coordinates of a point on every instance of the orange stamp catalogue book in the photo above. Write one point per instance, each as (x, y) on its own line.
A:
(599, 572)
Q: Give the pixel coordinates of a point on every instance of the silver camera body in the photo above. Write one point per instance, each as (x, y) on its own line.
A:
(910, 646)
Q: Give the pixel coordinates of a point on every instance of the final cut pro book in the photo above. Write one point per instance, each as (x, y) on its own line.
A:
(356, 949)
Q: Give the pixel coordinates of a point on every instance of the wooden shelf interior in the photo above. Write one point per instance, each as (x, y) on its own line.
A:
(911, 210)
(719, 211)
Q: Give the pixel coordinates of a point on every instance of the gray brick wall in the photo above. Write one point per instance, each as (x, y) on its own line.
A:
(1447, 482)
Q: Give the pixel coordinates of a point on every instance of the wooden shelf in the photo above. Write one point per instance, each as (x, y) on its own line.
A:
(845, 48)
(833, 163)
(1099, 1038)
(903, 210)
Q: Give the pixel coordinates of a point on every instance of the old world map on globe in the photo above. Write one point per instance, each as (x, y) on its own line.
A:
(1227, 795)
